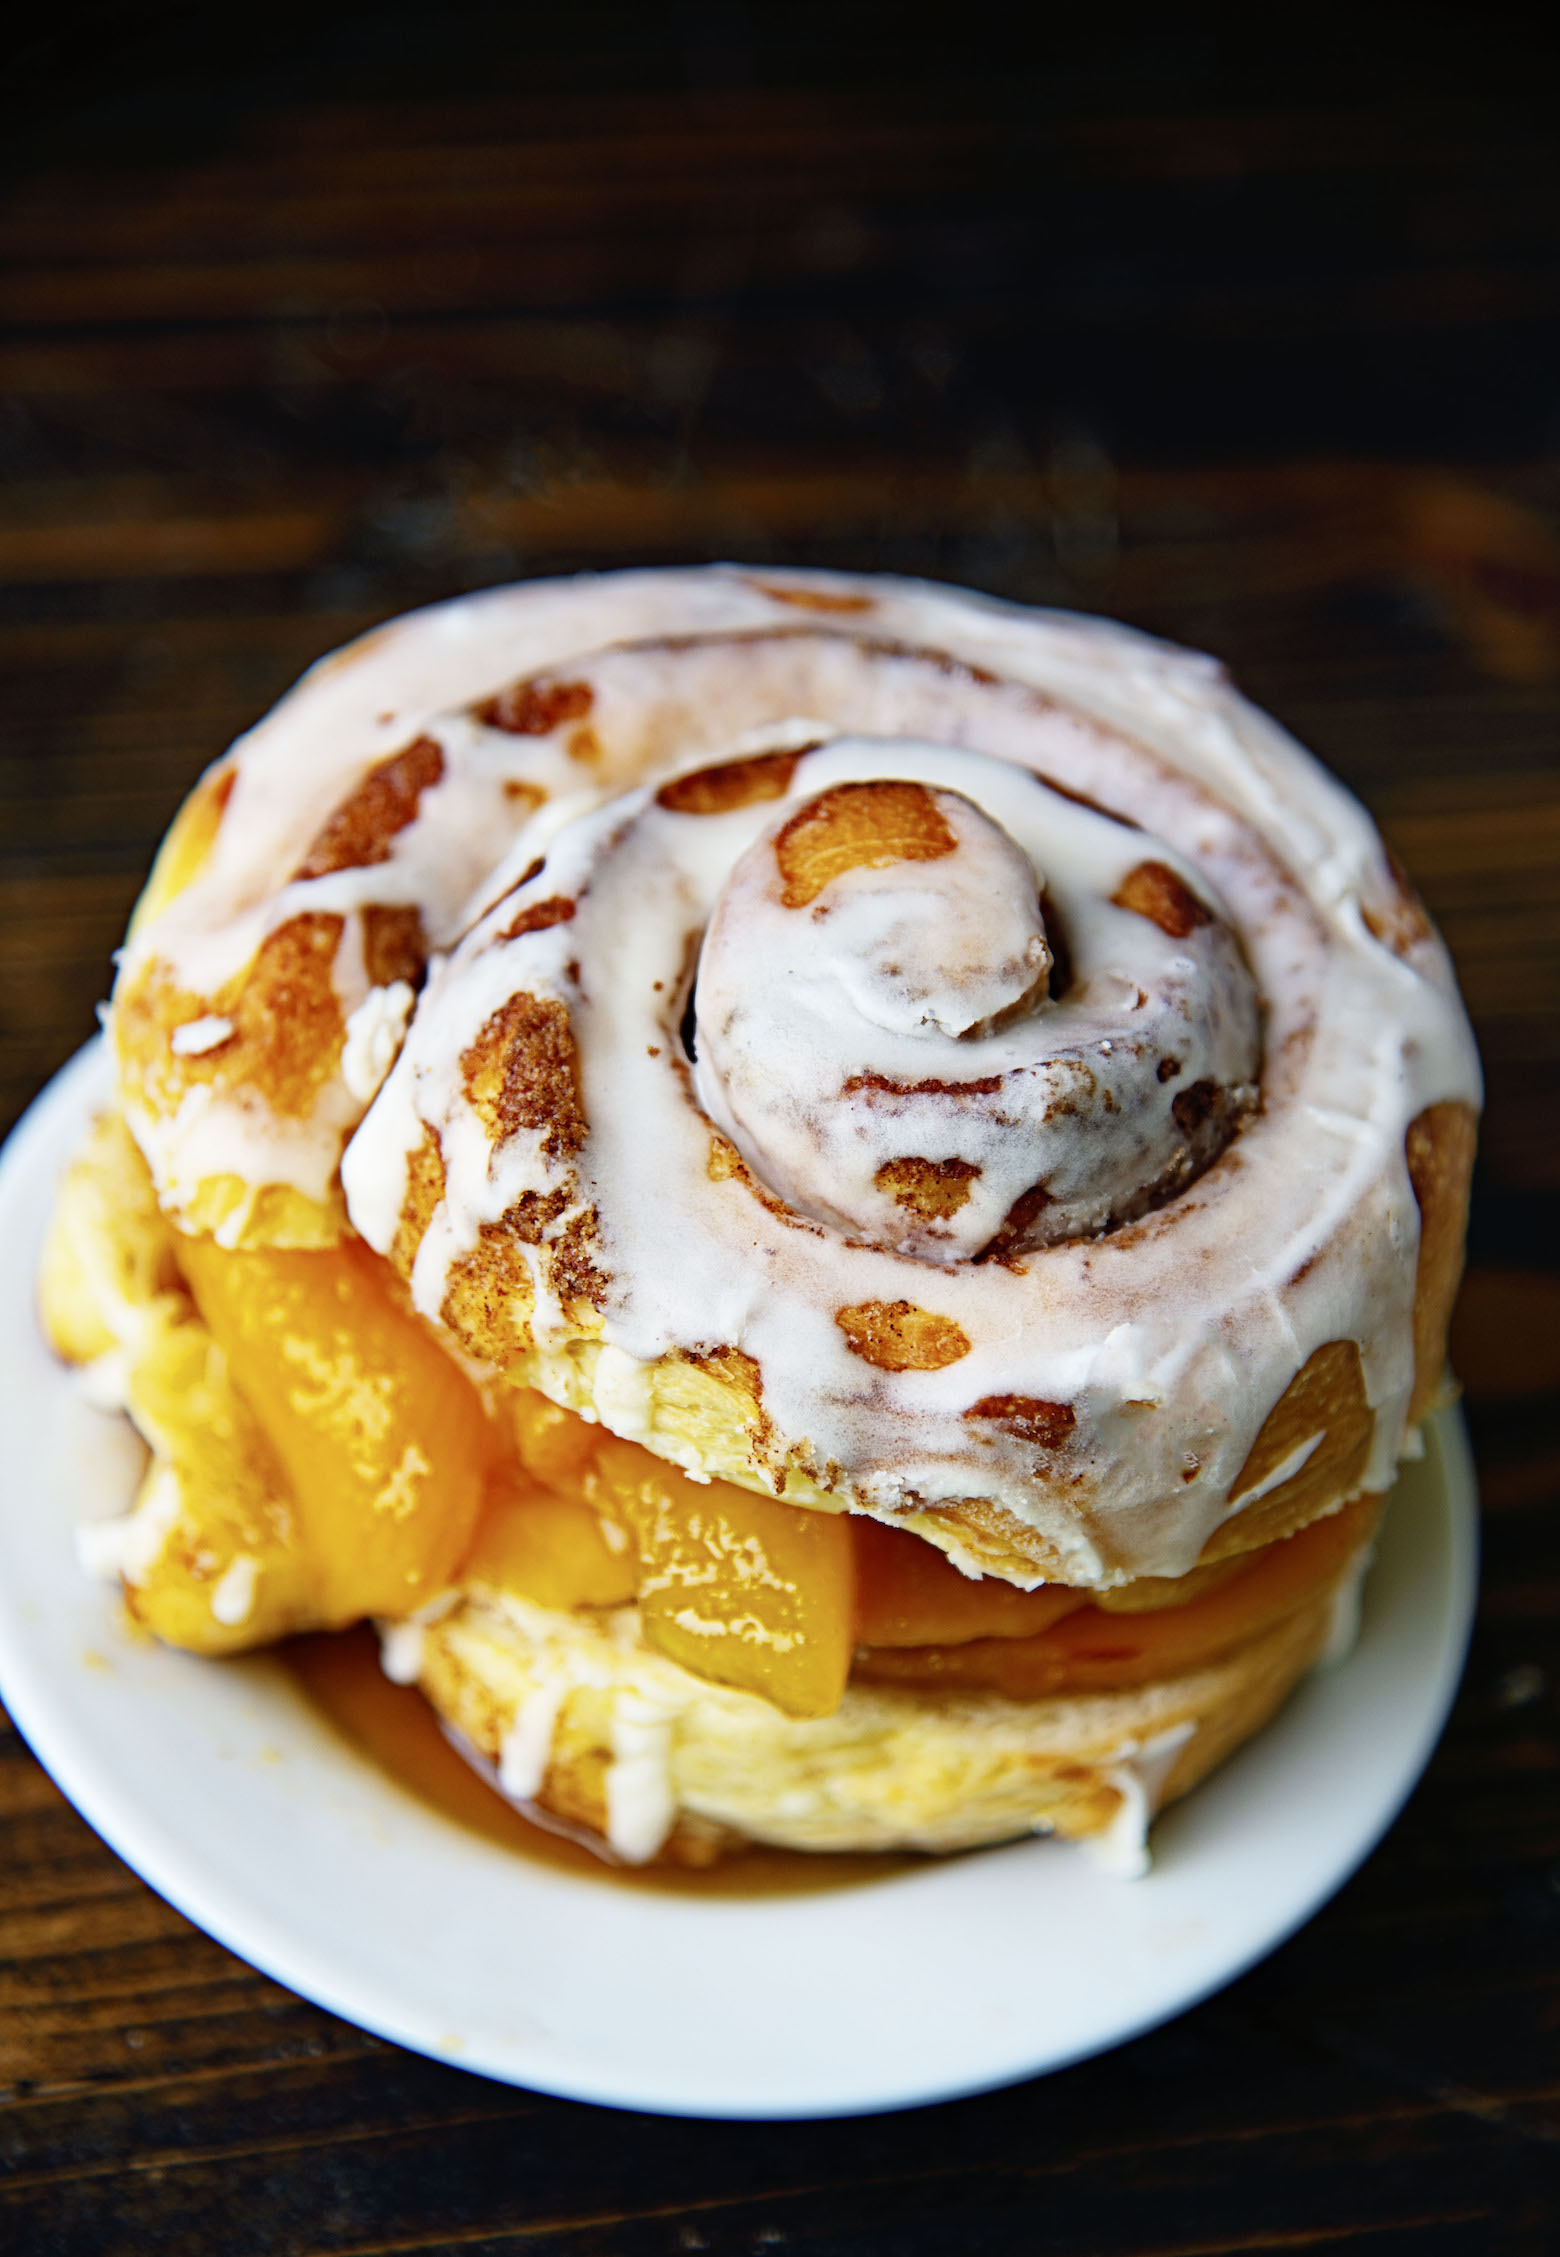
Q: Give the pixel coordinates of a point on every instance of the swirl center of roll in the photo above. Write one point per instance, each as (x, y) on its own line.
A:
(900, 1048)
(923, 910)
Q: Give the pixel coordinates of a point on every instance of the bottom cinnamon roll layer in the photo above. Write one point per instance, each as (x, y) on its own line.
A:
(673, 1666)
(587, 1725)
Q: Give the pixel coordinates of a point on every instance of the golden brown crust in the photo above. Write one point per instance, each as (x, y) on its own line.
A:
(487, 1301)
(540, 917)
(1045, 1424)
(813, 599)
(725, 1164)
(1439, 1150)
(1015, 1225)
(394, 946)
(361, 830)
(521, 1072)
(184, 852)
(996, 1540)
(897, 1336)
(537, 706)
(1396, 916)
(424, 1190)
(1326, 1397)
(1153, 890)
(287, 1014)
(283, 1010)
(730, 784)
(934, 1188)
(858, 827)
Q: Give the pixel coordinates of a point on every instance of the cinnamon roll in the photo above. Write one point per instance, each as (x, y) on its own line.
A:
(835, 1199)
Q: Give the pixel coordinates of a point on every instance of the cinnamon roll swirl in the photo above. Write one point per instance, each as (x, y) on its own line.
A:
(852, 1072)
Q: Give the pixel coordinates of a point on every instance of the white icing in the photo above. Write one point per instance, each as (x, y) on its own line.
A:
(197, 1036)
(640, 1795)
(622, 1390)
(105, 1382)
(233, 1594)
(373, 1037)
(938, 947)
(401, 1647)
(641, 1800)
(127, 1548)
(526, 1748)
(402, 1644)
(211, 1135)
(1138, 1772)
(101, 1547)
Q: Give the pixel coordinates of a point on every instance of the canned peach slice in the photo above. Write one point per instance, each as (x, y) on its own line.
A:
(551, 1549)
(738, 1588)
(384, 1441)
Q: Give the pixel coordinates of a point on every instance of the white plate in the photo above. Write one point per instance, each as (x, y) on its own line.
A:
(220, 1784)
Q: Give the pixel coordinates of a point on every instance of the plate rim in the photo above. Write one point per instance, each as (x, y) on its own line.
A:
(41, 1140)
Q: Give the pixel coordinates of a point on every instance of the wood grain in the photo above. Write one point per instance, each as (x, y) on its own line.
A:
(1267, 380)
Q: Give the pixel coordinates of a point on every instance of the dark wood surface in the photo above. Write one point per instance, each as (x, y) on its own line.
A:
(1253, 360)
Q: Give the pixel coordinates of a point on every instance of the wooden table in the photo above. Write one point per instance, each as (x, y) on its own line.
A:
(1274, 380)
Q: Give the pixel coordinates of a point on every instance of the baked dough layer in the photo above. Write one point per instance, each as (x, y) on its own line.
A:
(580, 1717)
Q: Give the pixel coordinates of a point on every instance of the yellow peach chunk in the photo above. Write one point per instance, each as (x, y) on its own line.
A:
(554, 1444)
(738, 1588)
(909, 1594)
(1093, 1650)
(555, 1551)
(384, 1440)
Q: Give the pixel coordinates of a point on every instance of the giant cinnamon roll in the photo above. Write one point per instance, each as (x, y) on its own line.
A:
(838, 1197)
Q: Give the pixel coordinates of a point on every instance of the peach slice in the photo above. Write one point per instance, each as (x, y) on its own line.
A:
(383, 1439)
(908, 1594)
(550, 1549)
(554, 1444)
(738, 1588)
(1093, 1651)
